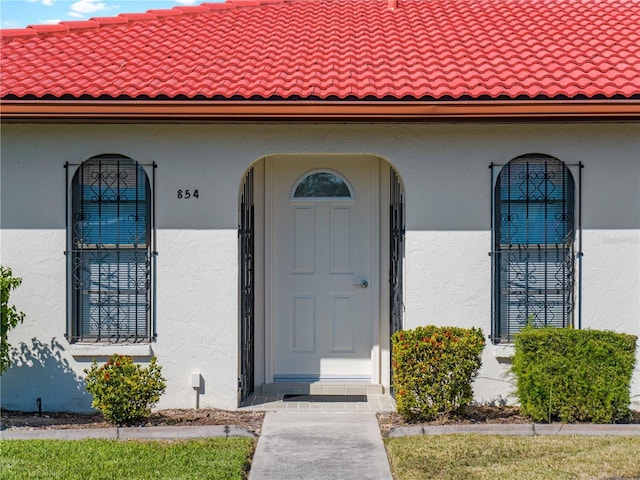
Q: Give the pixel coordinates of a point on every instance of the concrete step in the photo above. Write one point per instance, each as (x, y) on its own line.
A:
(322, 387)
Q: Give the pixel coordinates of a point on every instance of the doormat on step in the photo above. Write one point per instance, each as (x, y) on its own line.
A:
(294, 397)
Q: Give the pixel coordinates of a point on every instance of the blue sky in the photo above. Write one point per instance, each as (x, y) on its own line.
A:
(20, 13)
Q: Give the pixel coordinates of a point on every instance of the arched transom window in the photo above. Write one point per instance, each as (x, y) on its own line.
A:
(322, 184)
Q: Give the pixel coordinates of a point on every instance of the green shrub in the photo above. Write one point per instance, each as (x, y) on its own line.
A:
(574, 375)
(123, 391)
(433, 368)
(10, 317)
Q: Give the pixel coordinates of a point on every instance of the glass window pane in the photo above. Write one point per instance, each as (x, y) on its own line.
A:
(322, 185)
(534, 258)
(111, 211)
(112, 203)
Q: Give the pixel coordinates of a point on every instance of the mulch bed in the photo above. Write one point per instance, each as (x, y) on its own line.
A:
(252, 421)
(472, 415)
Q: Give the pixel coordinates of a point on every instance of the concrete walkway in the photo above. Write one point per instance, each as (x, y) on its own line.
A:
(127, 433)
(324, 445)
(521, 429)
(301, 444)
(186, 432)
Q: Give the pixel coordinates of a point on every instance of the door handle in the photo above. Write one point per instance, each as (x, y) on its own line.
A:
(362, 284)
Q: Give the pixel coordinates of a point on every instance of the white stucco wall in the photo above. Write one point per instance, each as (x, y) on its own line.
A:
(448, 270)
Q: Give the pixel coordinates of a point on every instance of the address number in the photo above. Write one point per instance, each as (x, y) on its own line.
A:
(188, 193)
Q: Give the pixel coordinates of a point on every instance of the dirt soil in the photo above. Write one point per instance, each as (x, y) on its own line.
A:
(473, 414)
(252, 421)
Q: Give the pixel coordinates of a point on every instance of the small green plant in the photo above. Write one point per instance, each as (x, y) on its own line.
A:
(433, 368)
(11, 317)
(124, 391)
(573, 375)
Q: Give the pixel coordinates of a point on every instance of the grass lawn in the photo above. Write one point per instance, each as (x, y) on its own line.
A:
(479, 457)
(214, 458)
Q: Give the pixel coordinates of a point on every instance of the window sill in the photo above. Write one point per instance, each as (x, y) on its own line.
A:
(108, 349)
(504, 352)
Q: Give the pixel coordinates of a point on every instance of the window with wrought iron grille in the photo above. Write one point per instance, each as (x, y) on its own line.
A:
(110, 251)
(535, 212)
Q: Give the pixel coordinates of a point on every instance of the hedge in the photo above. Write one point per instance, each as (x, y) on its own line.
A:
(574, 375)
(433, 368)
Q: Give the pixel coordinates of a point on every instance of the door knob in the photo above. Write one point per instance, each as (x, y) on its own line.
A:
(362, 284)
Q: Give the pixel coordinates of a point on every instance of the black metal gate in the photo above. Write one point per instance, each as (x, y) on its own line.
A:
(396, 242)
(247, 287)
(396, 254)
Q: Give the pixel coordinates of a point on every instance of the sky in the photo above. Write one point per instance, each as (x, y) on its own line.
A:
(20, 13)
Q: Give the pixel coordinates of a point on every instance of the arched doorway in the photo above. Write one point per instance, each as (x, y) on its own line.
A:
(321, 255)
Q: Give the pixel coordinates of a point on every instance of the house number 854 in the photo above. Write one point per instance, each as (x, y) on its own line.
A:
(188, 193)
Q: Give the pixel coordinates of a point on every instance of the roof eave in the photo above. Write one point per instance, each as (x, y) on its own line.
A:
(109, 111)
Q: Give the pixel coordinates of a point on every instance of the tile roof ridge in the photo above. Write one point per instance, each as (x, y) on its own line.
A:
(65, 27)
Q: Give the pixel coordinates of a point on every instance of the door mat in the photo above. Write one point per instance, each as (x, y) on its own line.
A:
(295, 397)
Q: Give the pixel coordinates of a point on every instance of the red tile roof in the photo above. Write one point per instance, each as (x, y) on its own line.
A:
(335, 49)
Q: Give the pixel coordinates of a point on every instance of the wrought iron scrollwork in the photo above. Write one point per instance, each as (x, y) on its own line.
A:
(396, 254)
(534, 256)
(246, 234)
(111, 251)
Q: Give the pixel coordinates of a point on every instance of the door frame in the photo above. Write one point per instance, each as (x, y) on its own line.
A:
(379, 258)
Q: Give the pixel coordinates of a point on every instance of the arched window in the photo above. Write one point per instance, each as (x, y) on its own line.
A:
(322, 184)
(110, 251)
(534, 268)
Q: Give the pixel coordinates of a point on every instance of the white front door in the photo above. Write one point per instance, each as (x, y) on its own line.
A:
(322, 291)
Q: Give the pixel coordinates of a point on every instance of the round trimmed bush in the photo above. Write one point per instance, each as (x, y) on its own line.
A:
(124, 391)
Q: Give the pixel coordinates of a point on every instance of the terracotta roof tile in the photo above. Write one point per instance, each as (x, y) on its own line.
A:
(335, 49)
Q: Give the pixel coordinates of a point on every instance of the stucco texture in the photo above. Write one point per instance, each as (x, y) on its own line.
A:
(444, 169)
